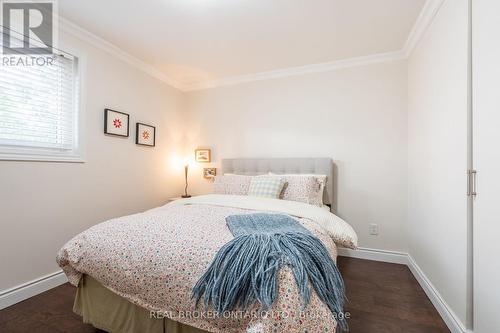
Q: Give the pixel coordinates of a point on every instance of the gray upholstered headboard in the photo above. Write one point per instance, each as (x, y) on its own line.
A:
(259, 166)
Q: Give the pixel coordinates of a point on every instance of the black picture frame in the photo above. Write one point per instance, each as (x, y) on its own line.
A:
(137, 135)
(106, 111)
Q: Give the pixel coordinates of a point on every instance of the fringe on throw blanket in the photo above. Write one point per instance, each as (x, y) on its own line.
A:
(245, 270)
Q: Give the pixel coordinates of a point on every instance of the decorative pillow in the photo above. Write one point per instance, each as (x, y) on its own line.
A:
(322, 179)
(232, 184)
(307, 188)
(266, 187)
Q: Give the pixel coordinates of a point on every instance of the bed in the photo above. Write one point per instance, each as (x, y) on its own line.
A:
(136, 273)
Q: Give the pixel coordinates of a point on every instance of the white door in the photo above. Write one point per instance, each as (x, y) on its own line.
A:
(486, 156)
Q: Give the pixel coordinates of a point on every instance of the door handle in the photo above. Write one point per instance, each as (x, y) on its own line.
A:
(471, 183)
(473, 191)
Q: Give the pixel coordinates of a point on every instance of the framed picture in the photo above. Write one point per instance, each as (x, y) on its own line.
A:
(145, 135)
(202, 155)
(116, 123)
(209, 173)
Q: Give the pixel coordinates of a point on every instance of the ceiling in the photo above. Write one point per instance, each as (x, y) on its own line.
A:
(193, 41)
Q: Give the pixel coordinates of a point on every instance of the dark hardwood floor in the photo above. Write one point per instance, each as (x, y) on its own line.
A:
(383, 298)
(386, 298)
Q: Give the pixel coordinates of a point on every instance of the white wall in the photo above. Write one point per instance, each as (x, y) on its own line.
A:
(437, 156)
(44, 204)
(357, 116)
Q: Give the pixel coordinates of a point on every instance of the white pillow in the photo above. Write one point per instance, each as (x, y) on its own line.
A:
(232, 184)
(306, 188)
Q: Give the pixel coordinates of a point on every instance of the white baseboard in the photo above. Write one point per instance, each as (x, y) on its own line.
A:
(376, 255)
(29, 289)
(449, 317)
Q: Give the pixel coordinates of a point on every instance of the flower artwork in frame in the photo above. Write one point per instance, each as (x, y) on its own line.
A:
(145, 135)
(116, 123)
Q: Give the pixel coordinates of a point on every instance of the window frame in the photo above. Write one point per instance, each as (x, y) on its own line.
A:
(75, 155)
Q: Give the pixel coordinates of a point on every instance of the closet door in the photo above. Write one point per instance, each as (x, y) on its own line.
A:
(486, 156)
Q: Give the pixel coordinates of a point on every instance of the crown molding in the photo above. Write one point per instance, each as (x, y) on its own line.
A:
(85, 35)
(299, 70)
(424, 20)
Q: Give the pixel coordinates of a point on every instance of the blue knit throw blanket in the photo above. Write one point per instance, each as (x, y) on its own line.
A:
(245, 270)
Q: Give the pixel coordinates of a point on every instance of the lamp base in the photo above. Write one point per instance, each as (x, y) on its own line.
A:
(185, 196)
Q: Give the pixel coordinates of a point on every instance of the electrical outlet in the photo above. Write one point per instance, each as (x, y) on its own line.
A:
(373, 229)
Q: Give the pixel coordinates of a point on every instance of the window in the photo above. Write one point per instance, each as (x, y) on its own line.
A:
(39, 115)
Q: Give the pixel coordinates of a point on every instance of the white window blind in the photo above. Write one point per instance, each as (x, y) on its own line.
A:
(39, 109)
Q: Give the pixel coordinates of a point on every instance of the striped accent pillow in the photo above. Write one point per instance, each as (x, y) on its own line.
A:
(266, 187)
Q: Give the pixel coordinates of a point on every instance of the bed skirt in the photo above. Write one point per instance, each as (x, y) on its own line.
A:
(107, 311)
